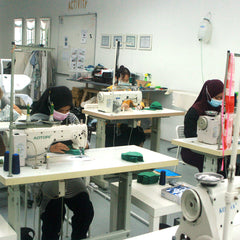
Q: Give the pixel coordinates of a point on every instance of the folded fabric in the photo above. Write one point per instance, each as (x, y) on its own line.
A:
(132, 156)
(155, 106)
(73, 151)
(147, 178)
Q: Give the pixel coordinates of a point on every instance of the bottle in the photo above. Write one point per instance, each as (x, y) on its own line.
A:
(146, 77)
(51, 113)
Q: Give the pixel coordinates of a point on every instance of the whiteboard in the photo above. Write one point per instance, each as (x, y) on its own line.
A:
(76, 42)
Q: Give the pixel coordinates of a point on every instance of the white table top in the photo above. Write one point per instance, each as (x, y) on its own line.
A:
(134, 114)
(100, 161)
(5, 125)
(164, 234)
(194, 144)
(168, 233)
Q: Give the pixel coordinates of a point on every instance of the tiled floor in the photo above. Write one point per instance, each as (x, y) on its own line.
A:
(100, 224)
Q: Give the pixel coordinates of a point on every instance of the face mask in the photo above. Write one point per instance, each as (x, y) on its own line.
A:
(120, 83)
(59, 116)
(215, 103)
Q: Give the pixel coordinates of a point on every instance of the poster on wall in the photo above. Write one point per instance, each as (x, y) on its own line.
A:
(131, 41)
(145, 42)
(105, 41)
(84, 36)
(73, 59)
(117, 38)
(77, 58)
(65, 42)
(81, 58)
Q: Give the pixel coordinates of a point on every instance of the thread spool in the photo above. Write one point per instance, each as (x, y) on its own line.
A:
(15, 163)
(162, 180)
(6, 161)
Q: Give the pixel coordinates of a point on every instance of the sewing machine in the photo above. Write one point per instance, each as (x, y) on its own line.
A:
(112, 101)
(32, 143)
(208, 128)
(203, 210)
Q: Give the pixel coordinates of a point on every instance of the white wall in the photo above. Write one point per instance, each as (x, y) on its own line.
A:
(175, 59)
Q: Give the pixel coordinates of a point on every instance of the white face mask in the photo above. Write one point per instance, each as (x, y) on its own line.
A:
(59, 116)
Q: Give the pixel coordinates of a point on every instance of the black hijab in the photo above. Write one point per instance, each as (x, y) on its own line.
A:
(213, 87)
(60, 96)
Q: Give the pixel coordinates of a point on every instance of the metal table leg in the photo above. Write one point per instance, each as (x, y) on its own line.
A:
(124, 201)
(100, 143)
(14, 208)
(155, 134)
(123, 206)
(210, 163)
(100, 133)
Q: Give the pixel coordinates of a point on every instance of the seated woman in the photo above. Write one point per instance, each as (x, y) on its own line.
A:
(210, 98)
(122, 134)
(76, 195)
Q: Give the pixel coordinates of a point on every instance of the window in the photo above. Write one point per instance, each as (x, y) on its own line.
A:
(18, 26)
(30, 26)
(45, 31)
(26, 31)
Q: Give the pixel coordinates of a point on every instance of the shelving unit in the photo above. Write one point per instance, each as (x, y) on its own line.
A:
(17, 48)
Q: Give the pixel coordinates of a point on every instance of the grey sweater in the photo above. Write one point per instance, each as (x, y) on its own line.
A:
(4, 101)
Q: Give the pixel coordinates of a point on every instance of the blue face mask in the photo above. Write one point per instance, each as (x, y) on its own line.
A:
(215, 103)
(120, 83)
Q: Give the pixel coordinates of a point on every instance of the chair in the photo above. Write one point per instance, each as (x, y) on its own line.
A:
(180, 134)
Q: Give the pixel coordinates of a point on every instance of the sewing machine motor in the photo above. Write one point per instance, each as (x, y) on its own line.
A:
(203, 209)
(208, 129)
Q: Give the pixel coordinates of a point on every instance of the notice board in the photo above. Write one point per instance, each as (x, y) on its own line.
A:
(76, 42)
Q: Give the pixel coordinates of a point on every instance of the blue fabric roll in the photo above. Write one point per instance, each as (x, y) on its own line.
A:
(6, 161)
(15, 164)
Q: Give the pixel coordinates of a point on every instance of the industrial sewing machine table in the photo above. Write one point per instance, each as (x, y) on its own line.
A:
(98, 161)
(211, 152)
(149, 199)
(134, 115)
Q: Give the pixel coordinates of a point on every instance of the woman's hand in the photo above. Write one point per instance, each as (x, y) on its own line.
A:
(124, 107)
(17, 109)
(59, 148)
(139, 107)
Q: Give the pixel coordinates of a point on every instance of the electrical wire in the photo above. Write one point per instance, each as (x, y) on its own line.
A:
(130, 136)
(114, 133)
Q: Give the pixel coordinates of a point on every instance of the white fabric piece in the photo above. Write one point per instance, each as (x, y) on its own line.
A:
(27, 100)
(20, 82)
(29, 68)
(44, 73)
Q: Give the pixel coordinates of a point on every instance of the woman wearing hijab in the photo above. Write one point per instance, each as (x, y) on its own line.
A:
(76, 195)
(119, 135)
(209, 99)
